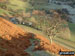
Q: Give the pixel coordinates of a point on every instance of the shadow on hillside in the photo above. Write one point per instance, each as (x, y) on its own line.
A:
(15, 46)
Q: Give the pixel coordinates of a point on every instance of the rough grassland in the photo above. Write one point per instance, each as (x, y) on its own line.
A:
(67, 45)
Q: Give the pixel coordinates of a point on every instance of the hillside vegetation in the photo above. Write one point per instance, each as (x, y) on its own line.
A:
(18, 42)
(15, 41)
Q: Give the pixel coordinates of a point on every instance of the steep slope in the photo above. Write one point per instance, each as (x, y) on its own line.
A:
(7, 28)
(14, 41)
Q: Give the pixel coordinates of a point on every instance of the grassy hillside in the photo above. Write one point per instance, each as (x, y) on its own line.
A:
(72, 28)
(2, 11)
(15, 7)
(18, 4)
(63, 42)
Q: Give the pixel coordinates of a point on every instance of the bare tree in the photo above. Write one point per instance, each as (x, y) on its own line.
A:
(51, 26)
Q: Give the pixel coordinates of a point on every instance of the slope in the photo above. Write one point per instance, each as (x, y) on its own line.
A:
(14, 41)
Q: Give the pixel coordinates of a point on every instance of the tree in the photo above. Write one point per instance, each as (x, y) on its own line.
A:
(51, 26)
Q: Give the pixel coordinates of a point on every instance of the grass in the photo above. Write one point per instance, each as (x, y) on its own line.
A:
(18, 5)
(72, 29)
(47, 6)
(66, 43)
(61, 41)
(70, 42)
(29, 29)
(2, 11)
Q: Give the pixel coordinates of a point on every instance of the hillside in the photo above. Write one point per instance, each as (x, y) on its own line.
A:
(45, 31)
(13, 41)
(9, 39)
